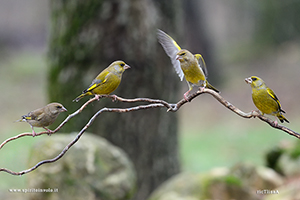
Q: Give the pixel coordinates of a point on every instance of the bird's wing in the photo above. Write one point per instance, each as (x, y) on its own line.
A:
(202, 64)
(99, 80)
(171, 48)
(35, 115)
(273, 96)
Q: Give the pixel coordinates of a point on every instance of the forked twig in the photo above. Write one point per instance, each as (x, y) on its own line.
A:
(153, 103)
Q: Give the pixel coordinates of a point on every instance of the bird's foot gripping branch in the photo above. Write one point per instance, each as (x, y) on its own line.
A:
(152, 103)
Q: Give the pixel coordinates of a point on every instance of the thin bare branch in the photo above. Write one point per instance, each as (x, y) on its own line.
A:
(153, 103)
(45, 132)
(243, 114)
(62, 153)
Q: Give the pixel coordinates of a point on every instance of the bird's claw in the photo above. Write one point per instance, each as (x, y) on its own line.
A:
(255, 113)
(201, 89)
(114, 97)
(34, 134)
(185, 96)
(49, 132)
(97, 96)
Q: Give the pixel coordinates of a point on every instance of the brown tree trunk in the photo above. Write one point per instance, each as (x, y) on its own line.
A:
(85, 37)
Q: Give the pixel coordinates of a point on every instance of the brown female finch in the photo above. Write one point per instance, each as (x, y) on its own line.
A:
(43, 117)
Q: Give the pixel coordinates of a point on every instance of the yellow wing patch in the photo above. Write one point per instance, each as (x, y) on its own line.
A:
(174, 42)
(202, 63)
(96, 85)
(272, 94)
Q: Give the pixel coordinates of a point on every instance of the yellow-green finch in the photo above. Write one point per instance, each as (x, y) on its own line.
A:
(43, 117)
(265, 99)
(107, 81)
(187, 65)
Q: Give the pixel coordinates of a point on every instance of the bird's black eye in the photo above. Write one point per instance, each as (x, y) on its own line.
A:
(182, 54)
(122, 65)
(254, 79)
(58, 107)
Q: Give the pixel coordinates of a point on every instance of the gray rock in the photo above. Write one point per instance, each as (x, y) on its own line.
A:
(257, 177)
(289, 165)
(216, 184)
(243, 181)
(92, 169)
(289, 161)
(289, 191)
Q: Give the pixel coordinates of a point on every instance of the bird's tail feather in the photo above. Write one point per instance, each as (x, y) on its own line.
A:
(19, 120)
(282, 118)
(208, 85)
(80, 97)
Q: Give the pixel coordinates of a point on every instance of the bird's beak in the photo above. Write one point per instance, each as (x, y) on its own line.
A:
(177, 57)
(248, 80)
(127, 67)
(64, 109)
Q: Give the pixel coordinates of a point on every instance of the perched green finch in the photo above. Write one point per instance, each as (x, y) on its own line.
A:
(107, 81)
(43, 117)
(187, 65)
(265, 99)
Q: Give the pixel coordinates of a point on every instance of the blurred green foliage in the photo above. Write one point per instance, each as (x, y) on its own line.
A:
(218, 147)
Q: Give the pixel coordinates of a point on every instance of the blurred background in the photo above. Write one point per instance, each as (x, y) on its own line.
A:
(242, 38)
